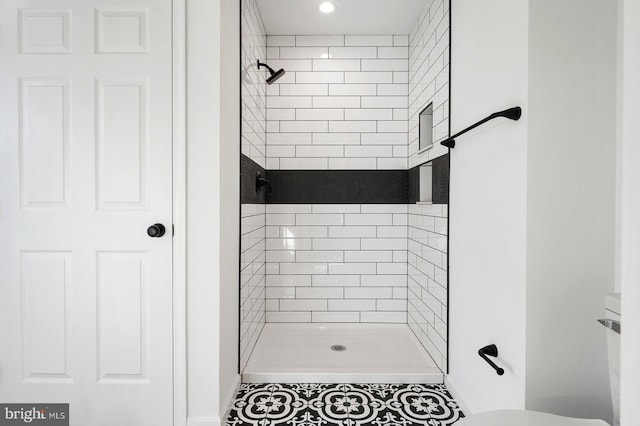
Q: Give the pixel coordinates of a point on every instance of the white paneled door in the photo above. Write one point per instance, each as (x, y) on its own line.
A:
(85, 170)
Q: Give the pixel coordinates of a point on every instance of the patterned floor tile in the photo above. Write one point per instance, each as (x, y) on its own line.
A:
(332, 396)
(252, 387)
(425, 404)
(361, 405)
(251, 405)
(239, 418)
(282, 396)
(344, 405)
(446, 415)
(252, 396)
(301, 413)
(386, 417)
(435, 402)
(381, 391)
(311, 391)
(303, 417)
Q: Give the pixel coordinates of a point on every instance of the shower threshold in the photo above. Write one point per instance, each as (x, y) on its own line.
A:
(339, 353)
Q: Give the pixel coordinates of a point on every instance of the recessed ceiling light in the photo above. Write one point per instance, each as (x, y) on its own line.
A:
(327, 7)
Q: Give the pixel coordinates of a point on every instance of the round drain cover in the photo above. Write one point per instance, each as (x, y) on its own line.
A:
(338, 348)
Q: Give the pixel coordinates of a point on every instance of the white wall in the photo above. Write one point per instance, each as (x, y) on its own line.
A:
(570, 204)
(229, 195)
(488, 201)
(203, 209)
(532, 204)
(212, 366)
(630, 212)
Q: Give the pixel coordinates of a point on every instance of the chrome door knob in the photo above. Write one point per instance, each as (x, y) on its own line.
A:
(156, 231)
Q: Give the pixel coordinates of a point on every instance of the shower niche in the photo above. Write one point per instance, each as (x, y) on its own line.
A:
(425, 129)
(339, 248)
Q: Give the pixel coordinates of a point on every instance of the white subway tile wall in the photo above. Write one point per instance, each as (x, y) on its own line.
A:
(253, 217)
(342, 103)
(336, 263)
(254, 48)
(427, 280)
(428, 224)
(429, 78)
(252, 277)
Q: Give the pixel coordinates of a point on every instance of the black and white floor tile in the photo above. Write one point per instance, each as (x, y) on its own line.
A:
(313, 404)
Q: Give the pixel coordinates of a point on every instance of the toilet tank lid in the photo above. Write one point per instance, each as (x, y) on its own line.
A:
(612, 302)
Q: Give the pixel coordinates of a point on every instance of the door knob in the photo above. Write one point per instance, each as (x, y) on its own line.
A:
(156, 231)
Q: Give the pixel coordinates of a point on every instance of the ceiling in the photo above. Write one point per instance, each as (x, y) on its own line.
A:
(302, 17)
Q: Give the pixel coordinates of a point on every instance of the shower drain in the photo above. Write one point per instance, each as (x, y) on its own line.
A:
(338, 348)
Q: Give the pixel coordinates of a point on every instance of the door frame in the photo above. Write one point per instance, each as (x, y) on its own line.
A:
(179, 66)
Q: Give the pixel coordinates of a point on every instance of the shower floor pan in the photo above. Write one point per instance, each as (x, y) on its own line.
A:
(361, 353)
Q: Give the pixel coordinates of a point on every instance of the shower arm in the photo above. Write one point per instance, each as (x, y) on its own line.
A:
(512, 114)
(260, 64)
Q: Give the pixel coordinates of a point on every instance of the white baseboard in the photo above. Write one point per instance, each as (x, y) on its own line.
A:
(203, 421)
(451, 387)
(225, 409)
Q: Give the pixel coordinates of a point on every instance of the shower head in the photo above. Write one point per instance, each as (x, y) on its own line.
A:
(275, 75)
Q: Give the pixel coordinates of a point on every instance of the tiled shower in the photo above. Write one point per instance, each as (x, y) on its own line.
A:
(349, 104)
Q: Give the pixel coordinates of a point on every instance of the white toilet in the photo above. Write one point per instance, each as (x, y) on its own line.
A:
(532, 418)
(524, 418)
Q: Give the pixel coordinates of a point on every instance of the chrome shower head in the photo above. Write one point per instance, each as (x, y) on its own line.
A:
(275, 75)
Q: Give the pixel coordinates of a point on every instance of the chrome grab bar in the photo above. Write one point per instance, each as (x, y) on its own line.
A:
(613, 325)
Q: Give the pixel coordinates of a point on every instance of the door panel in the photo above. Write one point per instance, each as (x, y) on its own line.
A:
(46, 332)
(122, 302)
(85, 168)
(45, 124)
(122, 144)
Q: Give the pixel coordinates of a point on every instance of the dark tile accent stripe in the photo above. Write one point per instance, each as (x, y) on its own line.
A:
(248, 193)
(342, 186)
(338, 187)
(414, 185)
(439, 182)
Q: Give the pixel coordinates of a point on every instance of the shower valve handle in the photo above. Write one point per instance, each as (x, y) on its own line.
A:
(260, 182)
